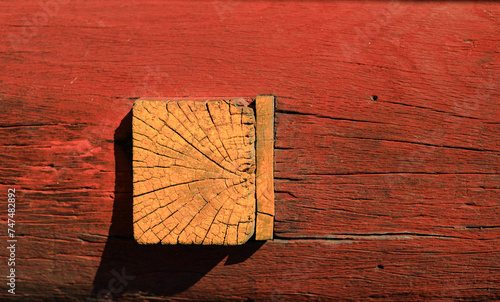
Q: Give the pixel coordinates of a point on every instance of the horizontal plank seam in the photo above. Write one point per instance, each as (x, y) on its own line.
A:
(291, 112)
(365, 235)
(421, 144)
(383, 173)
(42, 125)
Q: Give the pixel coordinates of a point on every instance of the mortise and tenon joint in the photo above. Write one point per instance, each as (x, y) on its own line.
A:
(203, 171)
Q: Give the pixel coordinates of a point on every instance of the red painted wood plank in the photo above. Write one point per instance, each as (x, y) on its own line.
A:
(385, 267)
(462, 206)
(407, 180)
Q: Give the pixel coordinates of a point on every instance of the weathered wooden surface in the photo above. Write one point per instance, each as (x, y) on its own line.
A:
(264, 110)
(387, 151)
(194, 172)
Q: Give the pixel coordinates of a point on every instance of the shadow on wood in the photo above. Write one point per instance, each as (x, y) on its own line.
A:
(127, 267)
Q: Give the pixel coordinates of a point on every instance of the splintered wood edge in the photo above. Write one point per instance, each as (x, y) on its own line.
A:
(264, 185)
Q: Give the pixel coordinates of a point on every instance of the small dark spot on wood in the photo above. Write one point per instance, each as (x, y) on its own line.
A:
(374, 97)
(51, 165)
(380, 266)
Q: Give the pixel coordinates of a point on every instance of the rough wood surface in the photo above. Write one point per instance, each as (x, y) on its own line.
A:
(194, 172)
(387, 146)
(264, 111)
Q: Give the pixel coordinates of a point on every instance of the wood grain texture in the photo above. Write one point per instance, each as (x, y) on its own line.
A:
(264, 114)
(386, 161)
(359, 269)
(194, 172)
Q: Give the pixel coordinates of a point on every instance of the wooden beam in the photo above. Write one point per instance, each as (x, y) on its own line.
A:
(194, 172)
